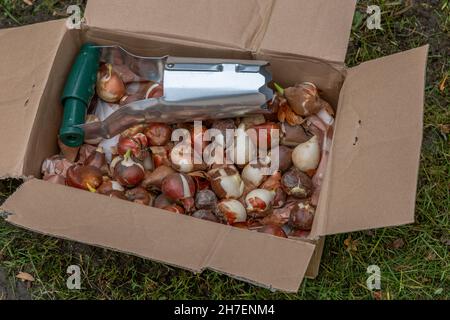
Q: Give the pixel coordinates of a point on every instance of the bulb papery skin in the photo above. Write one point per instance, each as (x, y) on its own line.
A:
(128, 172)
(139, 195)
(259, 200)
(254, 174)
(180, 188)
(232, 211)
(303, 99)
(110, 86)
(89, 119)
(226, 182)
(205, 215)
(110, 147)
(306, 156)
(154, 179)
(158, 134)
(174, 208)
(108, 186)
(302, 216)
(205, 199)
(84, 177)
(296, 183)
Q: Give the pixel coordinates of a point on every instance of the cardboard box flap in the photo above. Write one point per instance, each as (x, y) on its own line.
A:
(375, 154)
(158, 235)
(262, 259)
(27, 55)
(233, 23)
(319, 28)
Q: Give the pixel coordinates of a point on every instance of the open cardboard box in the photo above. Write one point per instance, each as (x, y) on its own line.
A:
(371, 177)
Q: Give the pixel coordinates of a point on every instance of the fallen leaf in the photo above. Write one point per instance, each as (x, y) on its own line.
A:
(351, 244)
(28, 2)
(397, 244)
(25, 276)
(443, 83)
(445, 128)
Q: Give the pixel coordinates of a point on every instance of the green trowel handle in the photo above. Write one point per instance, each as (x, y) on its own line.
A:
(78, 92)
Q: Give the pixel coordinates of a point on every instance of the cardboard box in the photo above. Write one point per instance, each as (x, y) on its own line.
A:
(371, 177)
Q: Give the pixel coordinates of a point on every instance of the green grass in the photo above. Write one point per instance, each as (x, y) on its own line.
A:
(420, 269)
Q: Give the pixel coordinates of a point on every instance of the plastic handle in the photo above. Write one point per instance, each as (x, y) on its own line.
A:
(78, 92)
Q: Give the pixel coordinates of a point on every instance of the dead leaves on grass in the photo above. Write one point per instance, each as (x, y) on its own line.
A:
(397, 244)
(24, 276)
(350, 244)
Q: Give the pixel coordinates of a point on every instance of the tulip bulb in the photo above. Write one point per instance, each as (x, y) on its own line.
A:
(126, 171)
(304, 99)
(302, 216)
(110, 86)
(179, 187)
(108, 186)
(232, 211)
(254, 174)
(154, 179)
(158, 134)
(259, 200)
(206, 199)
(139, 195)
(226, 182)
(306, 156)
(84, 177)
(296, 183)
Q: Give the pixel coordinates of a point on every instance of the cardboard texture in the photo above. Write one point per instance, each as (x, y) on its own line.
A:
(370, 181)
(27, 56)
(152, 233)
(372, 177)
(318, 29)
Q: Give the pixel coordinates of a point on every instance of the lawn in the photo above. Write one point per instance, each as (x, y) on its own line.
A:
(414, 259)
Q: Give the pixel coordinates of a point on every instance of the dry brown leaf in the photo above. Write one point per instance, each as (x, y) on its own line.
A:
(24, 276)
(397, 244)
(351, 245)
(28, 2)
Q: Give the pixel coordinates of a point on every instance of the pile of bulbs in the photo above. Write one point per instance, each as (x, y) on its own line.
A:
(139, 165)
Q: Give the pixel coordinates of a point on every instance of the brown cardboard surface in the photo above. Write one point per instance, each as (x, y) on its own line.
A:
(159, 235)
(372, 176)
(233, 22)
(27, 55)
(314, 264)
(319, 28)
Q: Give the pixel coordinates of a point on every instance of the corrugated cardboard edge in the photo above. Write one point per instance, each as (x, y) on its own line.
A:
(25, 72)
(142, 231)
(314, 264)
(371, 180)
